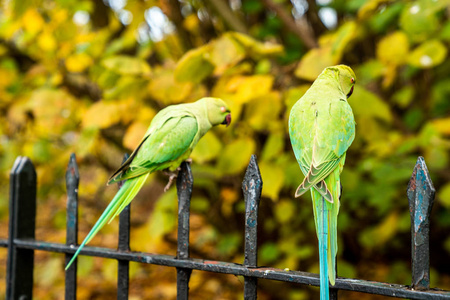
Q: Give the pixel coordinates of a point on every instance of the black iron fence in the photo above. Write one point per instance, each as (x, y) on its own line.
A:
(21, 241)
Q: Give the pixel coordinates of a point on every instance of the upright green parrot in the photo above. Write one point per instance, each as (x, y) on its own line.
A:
(321, 128)
(170, 139)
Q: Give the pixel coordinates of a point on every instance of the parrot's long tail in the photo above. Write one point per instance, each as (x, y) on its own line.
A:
(123, 197)
(325, 216)
(322, 211)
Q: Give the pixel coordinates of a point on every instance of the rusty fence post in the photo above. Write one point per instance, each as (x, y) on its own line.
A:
(22, 221)
(252, 187)
(72, 182)
(123, 273)
(185, 183)
(420, 194)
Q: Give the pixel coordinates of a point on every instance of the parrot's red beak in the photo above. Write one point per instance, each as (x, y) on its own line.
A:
(227, 120)
(351, 92)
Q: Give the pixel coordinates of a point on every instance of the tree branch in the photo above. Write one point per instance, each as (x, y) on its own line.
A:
(303, 32)
(313, 17)
(177, 18)
(224, 11)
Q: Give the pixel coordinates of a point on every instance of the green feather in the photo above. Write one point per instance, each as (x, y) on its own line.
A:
(170, 139)
(321, 128)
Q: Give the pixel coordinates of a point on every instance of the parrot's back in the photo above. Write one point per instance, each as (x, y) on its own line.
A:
(321, 128)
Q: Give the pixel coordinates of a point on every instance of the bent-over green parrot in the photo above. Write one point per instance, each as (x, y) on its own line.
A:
(321, 128)
(170, 139)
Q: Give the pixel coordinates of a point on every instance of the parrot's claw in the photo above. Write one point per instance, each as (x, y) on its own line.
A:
(172, 176)
(189, 160)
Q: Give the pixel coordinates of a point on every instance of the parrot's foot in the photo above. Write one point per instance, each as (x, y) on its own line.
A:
(172, 176)
(189, 160)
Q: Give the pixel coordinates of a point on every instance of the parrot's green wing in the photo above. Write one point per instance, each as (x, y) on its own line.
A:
(160, 148)
(319, 147)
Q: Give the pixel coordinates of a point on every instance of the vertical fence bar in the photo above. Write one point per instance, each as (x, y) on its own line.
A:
(252, 187)
(123, 276)
(420, 194)
(22, 221)
(185, 182)
(72, 182)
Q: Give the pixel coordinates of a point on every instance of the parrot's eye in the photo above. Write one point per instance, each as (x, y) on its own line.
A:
(223, 109)
(352, 80)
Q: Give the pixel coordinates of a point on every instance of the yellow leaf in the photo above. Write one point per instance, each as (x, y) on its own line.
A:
(32, 21)
(262, 112)
(134, 135)
(164, 88)
(225, 52)
(194, 66)
(329, 53)
(393, 49)
(442, 125)
(126, 65)
(370, 8)
(313, 63)
(428, 54)
(246, 88)
(381, 233)
(47, 42)
(273, 179)
(78, 62)
(444, 195)
(102, 114)
(255, 47)
(52, 110)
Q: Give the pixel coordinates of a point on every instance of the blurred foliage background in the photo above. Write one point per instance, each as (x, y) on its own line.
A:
(88, 76)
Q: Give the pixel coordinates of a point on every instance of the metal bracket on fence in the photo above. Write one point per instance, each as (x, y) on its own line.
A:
(420, 194)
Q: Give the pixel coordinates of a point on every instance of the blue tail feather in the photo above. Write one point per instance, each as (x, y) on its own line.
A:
(323, 248)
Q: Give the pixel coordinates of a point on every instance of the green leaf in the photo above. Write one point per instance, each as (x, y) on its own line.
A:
(194, 66)
(273, 147)
(404, 96)
(236, 155)
(207, 148)
(268, 253)
(284, 210)
(366, 104)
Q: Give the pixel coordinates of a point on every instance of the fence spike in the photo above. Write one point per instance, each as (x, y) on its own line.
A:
(420, 193)
(185, 183)
(123, 276)
(22, 221)
(72, 183)
(252, 187)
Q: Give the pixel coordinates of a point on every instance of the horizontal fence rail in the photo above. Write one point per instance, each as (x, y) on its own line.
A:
(21, 242)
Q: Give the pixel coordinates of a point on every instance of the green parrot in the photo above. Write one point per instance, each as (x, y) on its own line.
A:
(170, 139)
(321, 128)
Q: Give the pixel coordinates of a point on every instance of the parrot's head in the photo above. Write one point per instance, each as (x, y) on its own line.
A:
(218, 111)
(347, 79)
